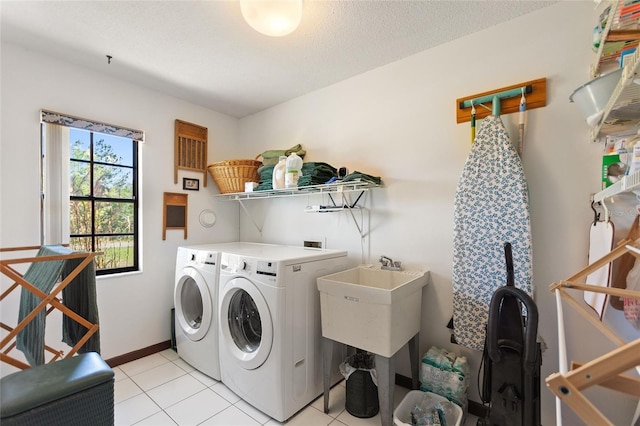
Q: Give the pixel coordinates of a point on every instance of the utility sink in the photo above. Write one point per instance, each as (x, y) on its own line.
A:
(370, 308)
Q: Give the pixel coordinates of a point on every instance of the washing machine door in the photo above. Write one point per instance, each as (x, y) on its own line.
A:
(193, 304)
(245, 323)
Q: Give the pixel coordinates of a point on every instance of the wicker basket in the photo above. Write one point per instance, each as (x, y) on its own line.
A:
(231, 175)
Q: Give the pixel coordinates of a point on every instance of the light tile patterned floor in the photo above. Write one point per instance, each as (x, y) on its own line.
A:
(161, 389)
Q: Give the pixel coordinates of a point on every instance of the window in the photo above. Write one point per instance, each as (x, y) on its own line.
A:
(103, 198)
(90, 192)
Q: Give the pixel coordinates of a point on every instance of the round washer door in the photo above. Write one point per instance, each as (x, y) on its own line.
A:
(194, 307)
(246, 324)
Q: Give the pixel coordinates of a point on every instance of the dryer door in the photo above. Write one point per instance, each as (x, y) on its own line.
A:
(246, 324)
(193, 303)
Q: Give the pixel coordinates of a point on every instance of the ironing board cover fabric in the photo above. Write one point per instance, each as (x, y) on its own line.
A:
(491, 208)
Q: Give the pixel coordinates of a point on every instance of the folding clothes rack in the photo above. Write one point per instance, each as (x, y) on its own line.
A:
(9, 341)
(604, 370)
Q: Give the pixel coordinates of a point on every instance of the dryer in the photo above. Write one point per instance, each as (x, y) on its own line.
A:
(270, 330)
(196, 307)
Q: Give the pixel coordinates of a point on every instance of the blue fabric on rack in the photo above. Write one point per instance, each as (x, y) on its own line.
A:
(43, 275)
(80, 297)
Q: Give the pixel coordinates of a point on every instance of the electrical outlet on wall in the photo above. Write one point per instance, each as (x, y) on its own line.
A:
(315, 242)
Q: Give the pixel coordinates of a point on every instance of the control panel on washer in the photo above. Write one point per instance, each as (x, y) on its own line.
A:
(203, 257)
(268, 268)
(249, 266)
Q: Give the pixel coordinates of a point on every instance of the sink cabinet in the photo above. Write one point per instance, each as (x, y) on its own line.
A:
(372, 309)
(378, 311)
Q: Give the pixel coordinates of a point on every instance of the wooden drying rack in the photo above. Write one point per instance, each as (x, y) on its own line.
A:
(190, 149)
(605, 370)
(51, 300)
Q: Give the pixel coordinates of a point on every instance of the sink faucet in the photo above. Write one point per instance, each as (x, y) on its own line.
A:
(390, 264)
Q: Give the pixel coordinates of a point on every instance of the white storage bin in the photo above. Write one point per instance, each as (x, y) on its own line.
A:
(402, 414)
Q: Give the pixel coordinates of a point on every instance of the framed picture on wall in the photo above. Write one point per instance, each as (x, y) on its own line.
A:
(191, 184)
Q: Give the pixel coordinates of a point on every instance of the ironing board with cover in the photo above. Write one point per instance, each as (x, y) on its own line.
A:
(491, 208)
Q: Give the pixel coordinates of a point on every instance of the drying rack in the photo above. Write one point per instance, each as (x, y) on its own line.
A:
(48, 303)
(605, 370)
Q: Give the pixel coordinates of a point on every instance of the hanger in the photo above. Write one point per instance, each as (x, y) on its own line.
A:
(473, 122)
(521, 120)
(596, 215)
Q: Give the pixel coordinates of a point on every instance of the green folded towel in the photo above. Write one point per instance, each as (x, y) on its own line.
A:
(265, 169)
(316, 173)
(43, 275)
(362, 177)
(80, 297)
(272, 156)
(266, 178)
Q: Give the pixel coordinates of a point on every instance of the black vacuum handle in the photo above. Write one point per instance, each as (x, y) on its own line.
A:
(508, 257)
(531, 332)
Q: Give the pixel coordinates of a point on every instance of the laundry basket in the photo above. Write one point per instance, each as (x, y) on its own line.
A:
(417, 400)
(231, 175)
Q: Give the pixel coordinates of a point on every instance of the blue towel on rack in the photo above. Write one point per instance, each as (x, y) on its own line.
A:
(80, 297)
(43, 275)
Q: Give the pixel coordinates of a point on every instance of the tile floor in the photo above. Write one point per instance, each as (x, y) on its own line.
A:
(162, 389)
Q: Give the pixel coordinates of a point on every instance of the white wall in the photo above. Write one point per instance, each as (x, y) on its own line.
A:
(134, 309)
(398, 122)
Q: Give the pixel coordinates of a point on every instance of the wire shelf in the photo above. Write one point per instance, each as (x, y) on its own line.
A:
(627, 183)
(337, 187)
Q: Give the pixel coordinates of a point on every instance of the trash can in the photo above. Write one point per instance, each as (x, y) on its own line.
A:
(362, 388)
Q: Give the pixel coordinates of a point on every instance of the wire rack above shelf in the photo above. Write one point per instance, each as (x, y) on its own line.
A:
(620, 33)
(627, 183)
(621, 115)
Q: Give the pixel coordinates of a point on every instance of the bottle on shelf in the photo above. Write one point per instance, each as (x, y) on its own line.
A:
(293, 170)
(279, 172)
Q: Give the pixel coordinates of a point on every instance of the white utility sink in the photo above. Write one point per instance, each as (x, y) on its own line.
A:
(371, 308)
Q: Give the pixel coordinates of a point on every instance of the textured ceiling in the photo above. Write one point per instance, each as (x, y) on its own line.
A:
(203, 52)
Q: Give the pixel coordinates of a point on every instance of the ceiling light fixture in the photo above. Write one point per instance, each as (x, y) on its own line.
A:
(274, 18)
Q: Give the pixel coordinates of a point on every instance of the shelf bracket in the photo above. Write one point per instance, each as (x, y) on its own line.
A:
(346, 204)
(258, 227)
(355, 221)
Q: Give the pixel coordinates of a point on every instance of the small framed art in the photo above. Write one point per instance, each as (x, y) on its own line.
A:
(191, 184)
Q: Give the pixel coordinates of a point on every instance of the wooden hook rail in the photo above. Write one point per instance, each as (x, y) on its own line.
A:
(536, 98)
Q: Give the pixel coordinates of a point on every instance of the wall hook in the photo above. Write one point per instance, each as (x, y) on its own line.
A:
(596, 215)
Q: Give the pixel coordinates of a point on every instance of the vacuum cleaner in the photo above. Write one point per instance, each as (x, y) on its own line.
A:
(512, 357)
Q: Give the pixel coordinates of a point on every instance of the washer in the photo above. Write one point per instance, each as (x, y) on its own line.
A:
(196, 307)
(270, 331)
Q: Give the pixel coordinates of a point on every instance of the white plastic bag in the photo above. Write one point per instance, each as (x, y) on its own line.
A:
(346, 369)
